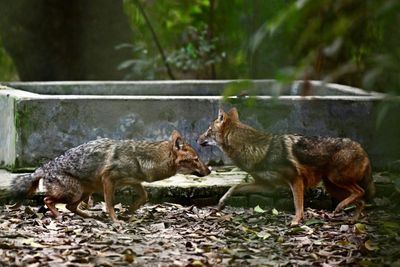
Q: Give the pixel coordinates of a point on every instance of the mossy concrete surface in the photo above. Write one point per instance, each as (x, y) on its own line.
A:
(40, 120)
(185, 189)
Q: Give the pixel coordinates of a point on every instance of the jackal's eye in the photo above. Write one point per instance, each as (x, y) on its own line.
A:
(186, 161)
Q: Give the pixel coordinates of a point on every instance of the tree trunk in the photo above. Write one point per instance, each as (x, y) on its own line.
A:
(65, 40)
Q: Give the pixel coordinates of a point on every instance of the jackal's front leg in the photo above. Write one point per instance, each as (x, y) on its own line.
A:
(297, 187)
(108, 189)
(240, 188)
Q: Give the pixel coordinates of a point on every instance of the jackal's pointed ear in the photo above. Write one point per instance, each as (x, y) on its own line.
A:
(221, 115)
(233, 114)
(177, 140)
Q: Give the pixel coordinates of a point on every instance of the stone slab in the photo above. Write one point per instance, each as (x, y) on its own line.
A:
(178, 186)
(206, 191)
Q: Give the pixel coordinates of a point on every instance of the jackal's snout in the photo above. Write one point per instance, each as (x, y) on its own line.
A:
(202, 171)
(193, 165)
(213, 136)
(202, 140)
(206, 138)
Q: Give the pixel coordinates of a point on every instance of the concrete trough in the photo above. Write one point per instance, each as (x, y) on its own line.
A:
(40, 120)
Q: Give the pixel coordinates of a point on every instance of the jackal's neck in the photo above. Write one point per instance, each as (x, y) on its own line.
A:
(158, 161)
(245, 145)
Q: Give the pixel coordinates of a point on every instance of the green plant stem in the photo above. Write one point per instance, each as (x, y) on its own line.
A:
(211, 33)
(155, 38)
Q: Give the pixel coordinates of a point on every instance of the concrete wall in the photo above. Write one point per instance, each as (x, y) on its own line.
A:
(44, 120)
(7, 130)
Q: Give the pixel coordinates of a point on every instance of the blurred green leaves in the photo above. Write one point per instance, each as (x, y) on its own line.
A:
(196, 52)
(8, 71)
(353, 42)
(182, 31)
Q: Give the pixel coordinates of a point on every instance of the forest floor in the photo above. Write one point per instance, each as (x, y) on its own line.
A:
(174, 235)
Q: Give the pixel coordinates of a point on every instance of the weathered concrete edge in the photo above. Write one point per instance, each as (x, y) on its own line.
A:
(181, 87)
(18, 90)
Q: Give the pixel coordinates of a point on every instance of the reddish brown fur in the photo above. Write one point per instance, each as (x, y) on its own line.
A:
(299, 161)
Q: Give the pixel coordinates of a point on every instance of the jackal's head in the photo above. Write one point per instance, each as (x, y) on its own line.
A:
(214, 136)
(187, 160)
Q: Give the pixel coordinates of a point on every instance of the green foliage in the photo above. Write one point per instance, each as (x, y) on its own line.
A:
(354, 42)
(197, 51)
(185, 49)
(207, 38)
(8, 71)
(141, 66)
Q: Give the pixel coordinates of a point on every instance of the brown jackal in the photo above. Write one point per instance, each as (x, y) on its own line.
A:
(105, 165)
(299, 161)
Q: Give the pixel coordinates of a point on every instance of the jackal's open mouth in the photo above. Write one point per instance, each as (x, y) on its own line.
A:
(203, 142)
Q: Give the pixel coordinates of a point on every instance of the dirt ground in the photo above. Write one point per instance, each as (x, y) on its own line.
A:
(173, 235)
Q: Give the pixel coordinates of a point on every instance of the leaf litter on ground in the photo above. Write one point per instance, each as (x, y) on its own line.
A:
(173, 235)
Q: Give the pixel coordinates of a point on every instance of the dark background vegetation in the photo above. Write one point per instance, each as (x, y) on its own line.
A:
(354, 42)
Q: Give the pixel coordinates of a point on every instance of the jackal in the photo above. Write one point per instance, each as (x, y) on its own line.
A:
(104, 165)
(296, 160)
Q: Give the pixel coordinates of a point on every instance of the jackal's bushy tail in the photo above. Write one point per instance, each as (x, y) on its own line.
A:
(25, 185)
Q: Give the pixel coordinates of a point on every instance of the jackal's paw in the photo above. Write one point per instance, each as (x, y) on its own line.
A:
(214, 211)
(59, 218)
(337, 214)
(133, 208)
(337, 210)
(294, 223)
(221, 206)
(84, 206)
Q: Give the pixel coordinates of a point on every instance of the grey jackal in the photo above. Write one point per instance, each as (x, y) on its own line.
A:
(104, 165)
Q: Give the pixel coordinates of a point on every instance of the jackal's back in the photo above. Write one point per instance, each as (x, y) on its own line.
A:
(321, 151)
(81, 161)
(124, 158)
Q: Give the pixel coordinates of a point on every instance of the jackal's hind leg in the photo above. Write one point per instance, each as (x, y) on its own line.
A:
(51, 204)
(142, 197)
(347, 193)
(356, 193)
(63, 189)
(360, 206)
(86, 203)
(74, 206)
